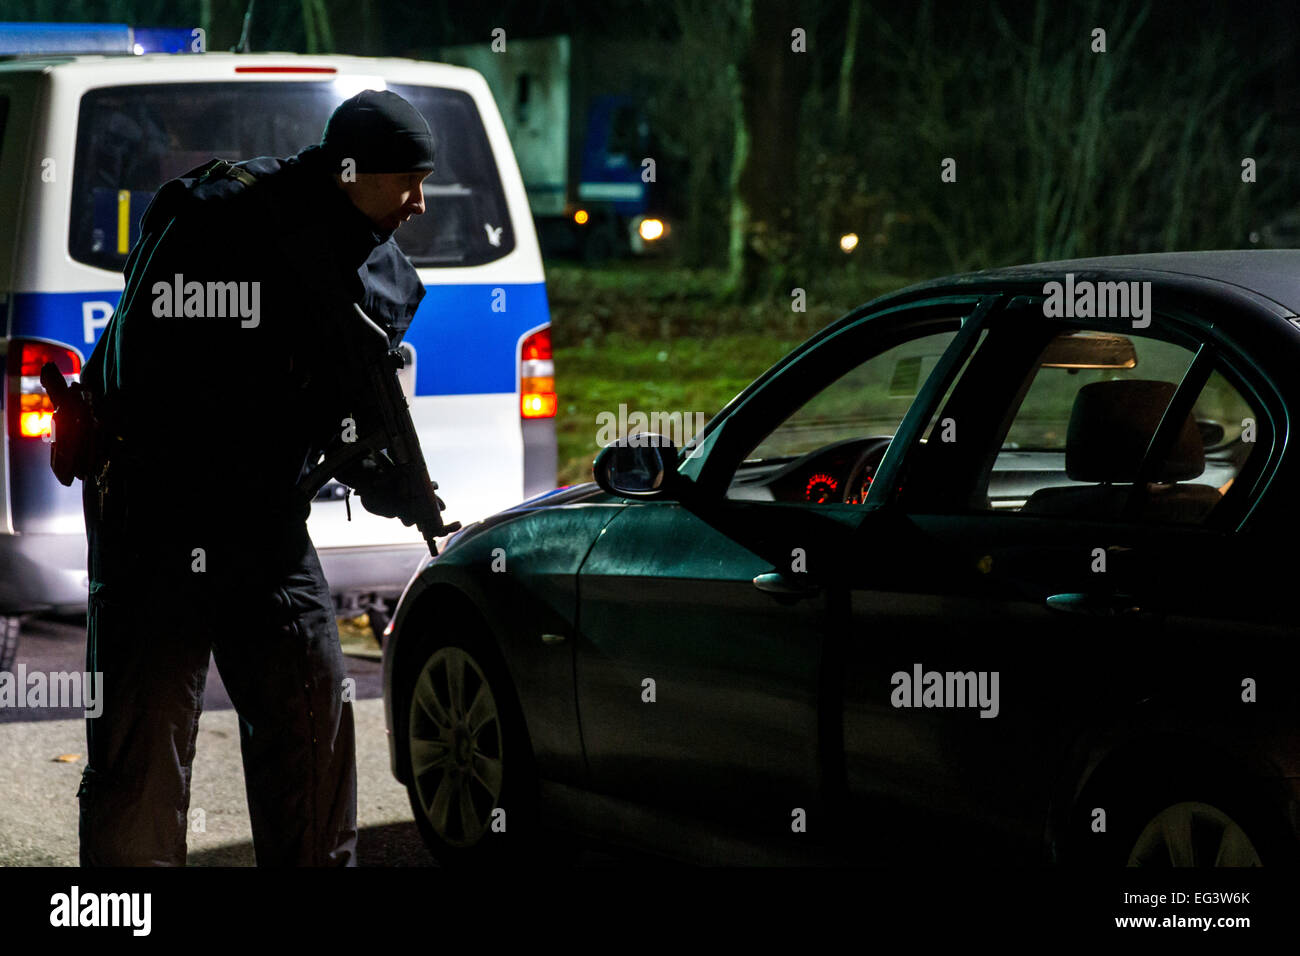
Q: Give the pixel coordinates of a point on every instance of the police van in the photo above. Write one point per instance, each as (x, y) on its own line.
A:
(86, 139)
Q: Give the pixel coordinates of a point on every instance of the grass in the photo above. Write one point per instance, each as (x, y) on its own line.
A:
(686, 375)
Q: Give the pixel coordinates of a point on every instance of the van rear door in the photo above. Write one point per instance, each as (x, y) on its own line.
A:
(476, 253)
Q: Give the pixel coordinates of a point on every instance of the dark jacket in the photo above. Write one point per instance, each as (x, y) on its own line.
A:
(222, 414)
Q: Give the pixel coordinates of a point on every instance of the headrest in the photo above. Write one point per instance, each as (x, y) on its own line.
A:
(1111, 425)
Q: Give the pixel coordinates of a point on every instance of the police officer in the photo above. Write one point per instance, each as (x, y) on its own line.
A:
(221, 381)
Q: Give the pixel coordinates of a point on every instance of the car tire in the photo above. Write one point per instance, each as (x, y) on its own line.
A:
(1194, 823)
(475, 800)
(10, 628)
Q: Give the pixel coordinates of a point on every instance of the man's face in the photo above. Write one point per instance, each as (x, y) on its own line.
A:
(388, 199)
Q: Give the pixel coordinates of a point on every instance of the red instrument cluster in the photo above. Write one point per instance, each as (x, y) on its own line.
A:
(821, 488)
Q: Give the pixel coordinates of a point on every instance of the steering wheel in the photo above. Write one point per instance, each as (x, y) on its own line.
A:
(871, 455)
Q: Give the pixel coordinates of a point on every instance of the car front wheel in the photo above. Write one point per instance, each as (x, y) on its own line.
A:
(473, 788)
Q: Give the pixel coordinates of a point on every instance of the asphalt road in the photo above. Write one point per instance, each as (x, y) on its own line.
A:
(42, 755)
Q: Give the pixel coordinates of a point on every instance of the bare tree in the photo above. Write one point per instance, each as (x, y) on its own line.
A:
(695, 116)
(1068, 141)
(316, 25)
(771, 77)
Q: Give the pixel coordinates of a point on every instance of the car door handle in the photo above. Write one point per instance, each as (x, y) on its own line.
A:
(782, 585)
(1095, 605)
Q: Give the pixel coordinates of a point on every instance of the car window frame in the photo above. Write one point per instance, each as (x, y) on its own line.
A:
(710, 462)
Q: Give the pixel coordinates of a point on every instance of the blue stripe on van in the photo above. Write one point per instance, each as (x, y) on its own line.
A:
(466, 337)
(463, 347)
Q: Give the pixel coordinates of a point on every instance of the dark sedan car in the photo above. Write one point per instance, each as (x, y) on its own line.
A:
(994, 568)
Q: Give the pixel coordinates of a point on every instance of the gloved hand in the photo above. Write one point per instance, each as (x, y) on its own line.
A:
(376, 480)
(384, 497)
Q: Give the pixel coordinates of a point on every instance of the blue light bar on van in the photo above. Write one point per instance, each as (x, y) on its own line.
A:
(33, 38)
(163, 40)
(65, 38)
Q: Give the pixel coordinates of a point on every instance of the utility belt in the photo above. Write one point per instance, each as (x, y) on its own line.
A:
(91, 443)
(154, 492)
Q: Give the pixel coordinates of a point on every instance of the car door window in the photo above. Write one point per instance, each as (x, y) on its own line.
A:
(812, 455)
(1069, 441)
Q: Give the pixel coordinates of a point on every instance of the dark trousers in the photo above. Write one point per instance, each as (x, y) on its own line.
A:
(260, 606)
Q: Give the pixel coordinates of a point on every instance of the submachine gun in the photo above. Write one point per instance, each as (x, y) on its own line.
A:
(388, 427)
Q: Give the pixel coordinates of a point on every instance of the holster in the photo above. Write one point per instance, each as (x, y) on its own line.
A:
(74, 438)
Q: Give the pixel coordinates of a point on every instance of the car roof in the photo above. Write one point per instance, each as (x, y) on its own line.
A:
(1271, 273)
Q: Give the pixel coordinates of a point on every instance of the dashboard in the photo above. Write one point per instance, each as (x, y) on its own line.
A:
(822, 476)
(827, 475)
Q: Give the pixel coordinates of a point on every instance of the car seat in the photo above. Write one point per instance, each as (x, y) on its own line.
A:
(1111, 425)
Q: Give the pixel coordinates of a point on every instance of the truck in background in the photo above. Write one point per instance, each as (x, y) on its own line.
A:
(576, 115)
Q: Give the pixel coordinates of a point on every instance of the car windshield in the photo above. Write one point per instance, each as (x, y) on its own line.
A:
(132, 139)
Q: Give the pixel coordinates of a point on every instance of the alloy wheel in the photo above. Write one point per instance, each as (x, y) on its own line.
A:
(456, 746)
(1193, 834)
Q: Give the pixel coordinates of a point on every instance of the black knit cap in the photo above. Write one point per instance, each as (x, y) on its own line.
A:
(382, 132)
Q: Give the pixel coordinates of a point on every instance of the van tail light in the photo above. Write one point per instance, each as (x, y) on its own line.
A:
(30, 410)
(537, 397)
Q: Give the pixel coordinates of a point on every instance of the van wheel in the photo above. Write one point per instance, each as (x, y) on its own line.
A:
(10, 626)
(378, 615)
(473, 789)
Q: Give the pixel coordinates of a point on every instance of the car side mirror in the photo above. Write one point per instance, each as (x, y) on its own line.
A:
(637, 466)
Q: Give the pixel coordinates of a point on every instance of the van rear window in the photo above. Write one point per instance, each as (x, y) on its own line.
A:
(132, 139)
